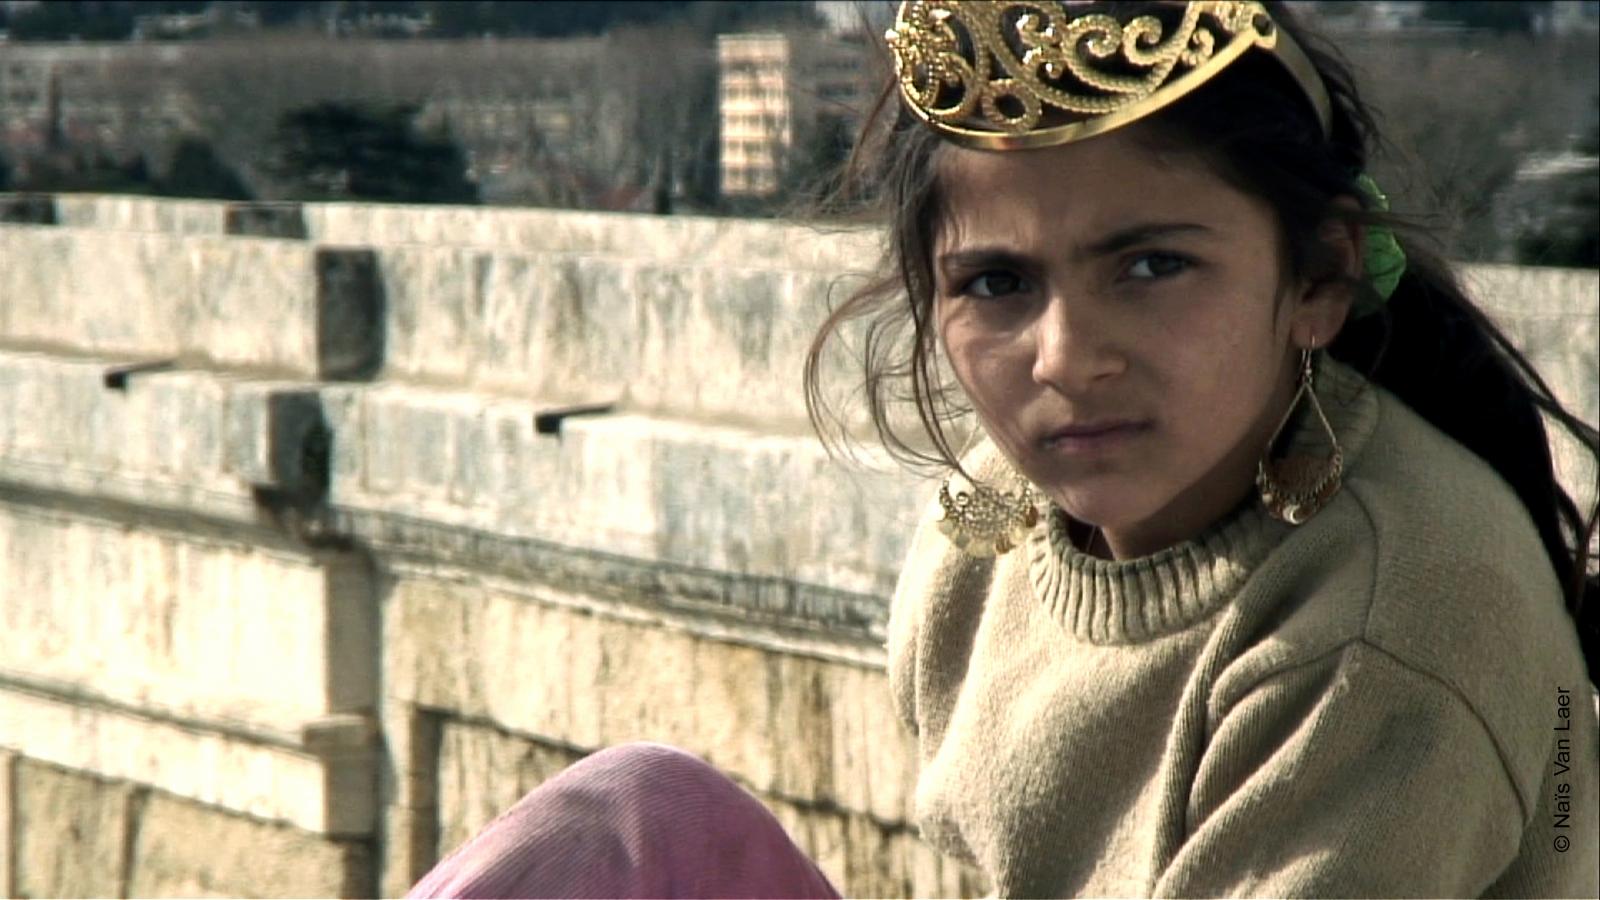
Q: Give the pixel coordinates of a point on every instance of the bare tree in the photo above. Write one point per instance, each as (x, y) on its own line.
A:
(1461, 112)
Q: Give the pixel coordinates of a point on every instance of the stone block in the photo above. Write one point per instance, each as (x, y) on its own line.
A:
(175, 439)
(231, 302)
(351, 638)
(483, 772)
(164, 427)
(709, 497)
(515, 291)
(677, 358)
(410, 440)
(734, 696)
(470, 474)
(733, 500)
(927, 871)
(26, 315)
(254, 303)
(8, 845)
(411, 745)
(644, 685)
(890, 751)
(826, 836)
(850, 747)
(410, 848)
(278, 437)
(595, 332)
(342, 410)
(504, 470)
(743, 312)
(265, 219)
(166, 215)
(182, 423)
(877, 861)
(187, 626)
(640, 237)
(592, 681)
(585, 658)
(226, 769)
(69, 830)
(534, 683)
(33, 382)
(805, 712)
(520, 465)
(932, 874)
(427, 291)
(184, 849)
(428, 651)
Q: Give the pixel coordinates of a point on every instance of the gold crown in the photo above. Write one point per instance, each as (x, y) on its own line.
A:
(1077, 75)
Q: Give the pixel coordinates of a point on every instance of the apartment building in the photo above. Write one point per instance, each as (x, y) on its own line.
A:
(773, 89)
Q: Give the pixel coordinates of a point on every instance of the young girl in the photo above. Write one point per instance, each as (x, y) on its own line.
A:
(1261, 581)
(1256, 578)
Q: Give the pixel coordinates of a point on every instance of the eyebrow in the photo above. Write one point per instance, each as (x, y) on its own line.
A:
(1109, 245)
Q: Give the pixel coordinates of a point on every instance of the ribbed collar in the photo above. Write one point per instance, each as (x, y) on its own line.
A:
(1126, 601)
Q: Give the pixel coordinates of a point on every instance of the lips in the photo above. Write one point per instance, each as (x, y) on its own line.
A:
(1092, 435)
(1092, 429)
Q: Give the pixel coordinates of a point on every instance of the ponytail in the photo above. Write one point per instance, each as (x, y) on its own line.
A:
(1438, 352)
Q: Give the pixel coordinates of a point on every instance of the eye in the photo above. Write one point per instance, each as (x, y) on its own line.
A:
(1157, 265)
(994, 284)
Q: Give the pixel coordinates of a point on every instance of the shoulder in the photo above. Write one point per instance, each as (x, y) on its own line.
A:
(1428, 558)
(1463, 588)
(1425, 552)
(1454, 544)
(938, 598)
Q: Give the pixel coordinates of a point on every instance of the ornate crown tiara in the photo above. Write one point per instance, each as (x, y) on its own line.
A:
(1032, 73)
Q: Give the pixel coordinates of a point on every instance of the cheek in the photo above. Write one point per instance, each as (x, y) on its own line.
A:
(1219, 372)
(991, 366)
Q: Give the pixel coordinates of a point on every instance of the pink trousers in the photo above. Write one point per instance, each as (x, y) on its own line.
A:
(640, 820)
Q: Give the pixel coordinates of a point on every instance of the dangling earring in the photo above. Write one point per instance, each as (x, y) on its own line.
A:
(1294, 488)
(987, 522)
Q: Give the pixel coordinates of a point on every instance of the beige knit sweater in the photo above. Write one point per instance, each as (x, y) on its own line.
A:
(1388, 700)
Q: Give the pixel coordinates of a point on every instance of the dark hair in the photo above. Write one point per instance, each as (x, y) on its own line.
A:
(1429, 344)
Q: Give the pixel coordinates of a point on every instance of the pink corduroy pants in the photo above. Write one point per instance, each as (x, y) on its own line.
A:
(639, 820)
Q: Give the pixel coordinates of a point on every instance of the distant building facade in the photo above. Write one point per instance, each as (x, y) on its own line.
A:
(773, 88)
(137, 97)
(79, 93)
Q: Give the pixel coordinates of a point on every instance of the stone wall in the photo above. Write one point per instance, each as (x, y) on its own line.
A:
(326, 533)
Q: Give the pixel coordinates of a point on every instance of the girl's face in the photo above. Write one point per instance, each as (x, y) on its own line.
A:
(1113, 315)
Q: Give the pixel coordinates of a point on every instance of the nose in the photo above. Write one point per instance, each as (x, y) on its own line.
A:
(1073, 349)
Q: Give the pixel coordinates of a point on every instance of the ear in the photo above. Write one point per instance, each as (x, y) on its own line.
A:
(1323, 304)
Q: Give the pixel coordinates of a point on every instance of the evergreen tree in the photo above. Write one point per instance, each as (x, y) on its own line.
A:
(342, 151)
(194, 170)
(90, 171)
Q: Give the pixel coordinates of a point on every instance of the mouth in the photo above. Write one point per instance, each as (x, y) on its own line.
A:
(1092, 437)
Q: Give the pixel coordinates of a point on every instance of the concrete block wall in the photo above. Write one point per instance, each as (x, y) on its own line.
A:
(327, 532)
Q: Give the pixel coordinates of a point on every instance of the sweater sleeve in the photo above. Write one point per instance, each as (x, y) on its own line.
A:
(1351, 775)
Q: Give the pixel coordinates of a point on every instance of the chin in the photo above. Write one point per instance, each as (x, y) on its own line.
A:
(1111, 507)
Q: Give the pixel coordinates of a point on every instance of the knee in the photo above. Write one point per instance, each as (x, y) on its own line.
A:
(647, 754)
(652, 767)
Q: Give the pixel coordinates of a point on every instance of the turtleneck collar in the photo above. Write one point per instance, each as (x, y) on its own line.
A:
(1131, 600)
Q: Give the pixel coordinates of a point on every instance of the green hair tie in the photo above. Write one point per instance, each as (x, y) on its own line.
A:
(1384, 261)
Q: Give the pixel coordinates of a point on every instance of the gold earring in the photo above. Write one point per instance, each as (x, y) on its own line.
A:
(986, 522)
(1294, 488)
